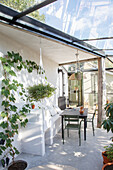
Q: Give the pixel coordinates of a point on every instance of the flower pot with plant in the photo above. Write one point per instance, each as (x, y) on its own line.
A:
(108, 154)
(33, 106)
(108, 125)
(108, 166)
(40, 91)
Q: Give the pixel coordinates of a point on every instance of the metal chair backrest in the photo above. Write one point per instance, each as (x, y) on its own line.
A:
(94, 114)
(71, 118)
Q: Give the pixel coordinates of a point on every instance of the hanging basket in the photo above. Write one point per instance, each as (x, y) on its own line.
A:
(78, 75)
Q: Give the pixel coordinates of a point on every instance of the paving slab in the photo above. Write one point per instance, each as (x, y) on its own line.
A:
(71, 156)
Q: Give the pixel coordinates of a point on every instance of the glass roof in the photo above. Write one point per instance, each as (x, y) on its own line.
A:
(84, 19)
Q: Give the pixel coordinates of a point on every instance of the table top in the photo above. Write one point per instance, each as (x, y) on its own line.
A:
(75, 111)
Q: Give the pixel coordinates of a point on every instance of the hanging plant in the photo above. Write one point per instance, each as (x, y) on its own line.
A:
(40, 91)
(11, 115)
(78, 76)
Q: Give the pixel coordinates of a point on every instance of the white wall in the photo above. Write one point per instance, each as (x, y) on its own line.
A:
(8, 44)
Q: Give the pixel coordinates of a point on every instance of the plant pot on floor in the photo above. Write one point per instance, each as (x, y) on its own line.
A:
(17, 165)
(108, 166)
(105, 159)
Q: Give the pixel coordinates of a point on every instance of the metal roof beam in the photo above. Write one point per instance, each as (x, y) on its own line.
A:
(110, 60)
(94, 39)
(109, 55)
(34, 8)
(106, 49)
(73, 62)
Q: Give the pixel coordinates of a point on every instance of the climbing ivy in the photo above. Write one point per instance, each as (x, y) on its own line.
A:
(11, 116)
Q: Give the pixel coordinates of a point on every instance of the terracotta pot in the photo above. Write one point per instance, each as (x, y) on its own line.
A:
(81, 111)
(105, 159)
(33, 106)
(108, 166)
(81, 108)
(17, 165)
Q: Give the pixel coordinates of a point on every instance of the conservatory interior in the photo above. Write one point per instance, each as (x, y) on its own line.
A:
(80, 74)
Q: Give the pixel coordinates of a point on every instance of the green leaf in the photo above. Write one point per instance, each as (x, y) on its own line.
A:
(23, 124)
(4, 114)
(3, 148)
(20, 93)
(5, 92)
(14, 126)
(9, 54)
(5, 103)
(15, 81)
(12, 73)
(8, 142)
(5, 81)
(16, 151)
(3, 59)
(12, 98)
(19, 67)
(12, 87)
(13, 108)
(7, 68)
(4, 124)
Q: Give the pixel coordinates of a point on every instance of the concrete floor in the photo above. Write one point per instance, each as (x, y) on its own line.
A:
(71, 156)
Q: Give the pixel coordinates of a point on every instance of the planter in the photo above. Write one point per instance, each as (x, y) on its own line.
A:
(108, 166)
(18, 165)
(105, 159)
(81, 110)
(33, 106)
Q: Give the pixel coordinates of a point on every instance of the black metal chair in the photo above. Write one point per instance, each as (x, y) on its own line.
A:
(72, 123)
(91, 120)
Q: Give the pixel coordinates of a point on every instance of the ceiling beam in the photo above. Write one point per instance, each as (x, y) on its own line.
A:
(94, 39)
(106, 49)
(110, 60)
(96, 69)
(33, 8)
(109, 55)
(73, 62)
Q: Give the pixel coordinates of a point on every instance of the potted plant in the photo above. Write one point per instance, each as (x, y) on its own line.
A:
(40, 91)
(33, 106)
(108, 125)
(108, 166)
(12, 117)
(108, 154)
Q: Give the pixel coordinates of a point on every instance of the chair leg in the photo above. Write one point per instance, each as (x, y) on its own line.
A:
(68, 133)
(93, 128)
(79, 137)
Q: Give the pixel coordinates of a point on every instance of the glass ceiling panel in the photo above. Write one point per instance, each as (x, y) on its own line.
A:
(84, 19)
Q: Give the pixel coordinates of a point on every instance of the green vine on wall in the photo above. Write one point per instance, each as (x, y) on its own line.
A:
(11, 115)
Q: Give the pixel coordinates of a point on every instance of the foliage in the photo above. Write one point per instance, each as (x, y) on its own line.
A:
(108, 122)
(11, 116)
(108, 125)
(40, 91)
(109, 151)
(21, 5)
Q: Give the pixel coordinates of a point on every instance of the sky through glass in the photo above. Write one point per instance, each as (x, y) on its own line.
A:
(83, 19)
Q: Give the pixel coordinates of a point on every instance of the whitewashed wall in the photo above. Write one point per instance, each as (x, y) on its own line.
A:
(8, 44)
